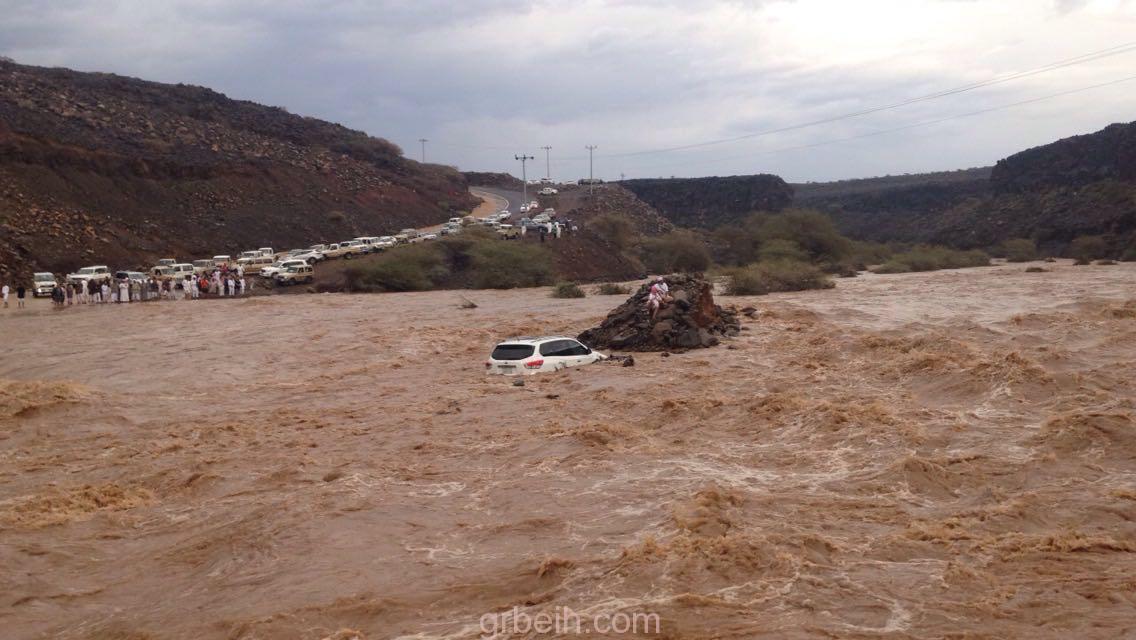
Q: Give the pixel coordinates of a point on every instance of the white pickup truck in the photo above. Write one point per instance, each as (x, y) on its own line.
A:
(42, 284)
(98, 273)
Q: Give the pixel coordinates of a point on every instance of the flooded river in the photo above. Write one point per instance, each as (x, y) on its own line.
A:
(916, 456)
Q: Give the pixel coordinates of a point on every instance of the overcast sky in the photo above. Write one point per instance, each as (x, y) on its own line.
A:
(484, 80)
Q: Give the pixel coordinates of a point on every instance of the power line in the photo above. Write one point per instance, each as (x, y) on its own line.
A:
(547, 162)
(524, 176)
(591, 177)
(423, 141)
(906, 127)
(1053, 66)
(1088, 57)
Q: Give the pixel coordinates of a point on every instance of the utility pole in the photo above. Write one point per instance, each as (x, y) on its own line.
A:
(423, 141)
(547, 162)
(524, 176)
(591, 176)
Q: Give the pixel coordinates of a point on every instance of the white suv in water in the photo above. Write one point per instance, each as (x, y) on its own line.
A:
(528, 356)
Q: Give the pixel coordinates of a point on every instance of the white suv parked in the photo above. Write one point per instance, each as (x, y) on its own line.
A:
(528, 356)
(277, 267)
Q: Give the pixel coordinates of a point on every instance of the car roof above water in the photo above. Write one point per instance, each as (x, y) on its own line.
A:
(536, 340)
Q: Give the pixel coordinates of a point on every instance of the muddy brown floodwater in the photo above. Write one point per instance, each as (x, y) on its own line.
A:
(916, 456)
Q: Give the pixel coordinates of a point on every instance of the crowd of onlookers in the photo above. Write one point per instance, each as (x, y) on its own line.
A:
(220, 282)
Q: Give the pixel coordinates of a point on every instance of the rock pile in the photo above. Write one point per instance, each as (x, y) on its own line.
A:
(690, 320)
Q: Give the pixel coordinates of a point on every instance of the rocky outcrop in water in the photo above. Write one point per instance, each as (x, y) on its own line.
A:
(690, 320)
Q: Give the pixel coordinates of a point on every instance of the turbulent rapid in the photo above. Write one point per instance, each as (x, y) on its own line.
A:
(935, 455)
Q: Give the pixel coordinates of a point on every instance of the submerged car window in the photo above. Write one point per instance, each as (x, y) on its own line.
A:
(512, 351)
(556, 348)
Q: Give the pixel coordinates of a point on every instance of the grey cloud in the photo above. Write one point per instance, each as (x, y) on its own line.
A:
(455, 72)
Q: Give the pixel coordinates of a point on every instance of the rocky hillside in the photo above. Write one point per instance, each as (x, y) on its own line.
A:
(1084, 185)
(711, 202)
(495, 180)
(1108, 155)
(893, 207)
(98, 168)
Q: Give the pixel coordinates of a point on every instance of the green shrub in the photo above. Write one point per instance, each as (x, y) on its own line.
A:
(863, 254)
(678, 251)
(810, 231)
(1036, 270)
(780, 275)
(1019, 250)
(892, 266)
(567, 290)
(505, 265)
(781, 249)
(416, 267)
(813, 231)
(615, 228)
(933, 258)
(1085, 249)
(1129, 254)
(612, 289)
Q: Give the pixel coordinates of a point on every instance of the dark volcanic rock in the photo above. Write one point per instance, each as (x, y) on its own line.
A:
(102, 169)
(712, 202)
(690, 320)
(495, 180)
(1109, 154)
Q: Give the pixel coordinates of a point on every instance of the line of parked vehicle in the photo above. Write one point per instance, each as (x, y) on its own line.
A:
(283, 268)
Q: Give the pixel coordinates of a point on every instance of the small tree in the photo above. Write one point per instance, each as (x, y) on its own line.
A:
(675, 251)
(779, 249)
(567, 290)
(504, 265)
(1085, 249)
(616, 229)
(1019, 250)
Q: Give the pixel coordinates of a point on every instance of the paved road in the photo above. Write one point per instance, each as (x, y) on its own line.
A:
(514, 198)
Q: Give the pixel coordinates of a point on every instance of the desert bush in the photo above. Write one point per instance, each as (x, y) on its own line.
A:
(1019, 250)
(678, 251)
(1085, 249)
(812, 232)
(567, 290)
(336, 216)
(781, 249)
(616, 229)
(1036, 270)
(613, 289)
(933, 258)
(1129, 254)
(892, 266)
(1106, 262)
(779, 275)
(505, 265)
(415, 267)
(862, 254)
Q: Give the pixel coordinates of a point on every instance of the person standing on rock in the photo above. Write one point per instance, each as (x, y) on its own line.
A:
(657, 295)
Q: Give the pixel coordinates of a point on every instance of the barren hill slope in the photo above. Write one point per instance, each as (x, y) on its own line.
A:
(98, 168)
